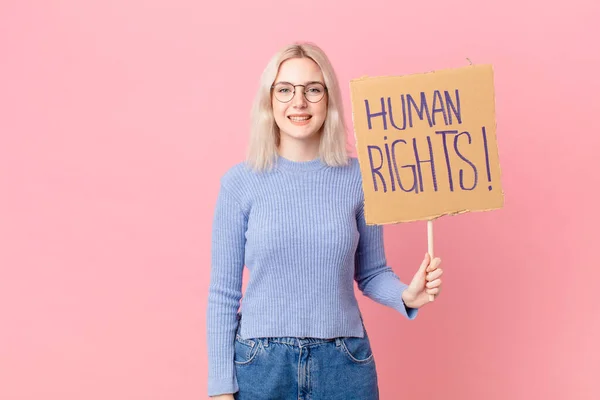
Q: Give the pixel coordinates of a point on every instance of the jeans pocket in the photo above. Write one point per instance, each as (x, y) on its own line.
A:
(358, 350)
(245, 350)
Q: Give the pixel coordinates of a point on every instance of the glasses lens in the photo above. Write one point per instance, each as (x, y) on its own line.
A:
(314, 92)
(284, 92)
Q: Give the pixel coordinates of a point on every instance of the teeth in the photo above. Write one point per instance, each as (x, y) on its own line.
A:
(298, 119)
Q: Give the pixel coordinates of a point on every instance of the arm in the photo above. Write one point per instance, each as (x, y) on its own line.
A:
(375, 279)
(225, 292)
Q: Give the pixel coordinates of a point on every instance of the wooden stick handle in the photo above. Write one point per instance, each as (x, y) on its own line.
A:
(430, 246)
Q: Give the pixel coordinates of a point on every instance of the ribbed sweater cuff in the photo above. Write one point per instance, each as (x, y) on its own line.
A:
(410, 313)
(222, 386)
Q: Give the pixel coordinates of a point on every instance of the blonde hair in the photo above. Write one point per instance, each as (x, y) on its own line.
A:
(264, 132)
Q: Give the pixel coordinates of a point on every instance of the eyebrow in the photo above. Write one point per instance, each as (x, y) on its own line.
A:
(307, 83)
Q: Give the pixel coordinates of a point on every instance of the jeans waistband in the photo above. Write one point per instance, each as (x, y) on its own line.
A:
(295, 341)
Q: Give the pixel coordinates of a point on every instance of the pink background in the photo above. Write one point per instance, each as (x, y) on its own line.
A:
(117, 119)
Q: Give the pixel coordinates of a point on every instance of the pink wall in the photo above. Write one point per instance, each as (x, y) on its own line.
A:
(118, 118)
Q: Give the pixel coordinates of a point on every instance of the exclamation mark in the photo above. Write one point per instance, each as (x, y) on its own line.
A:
(487, 157)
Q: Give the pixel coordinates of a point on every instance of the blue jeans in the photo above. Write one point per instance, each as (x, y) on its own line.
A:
(289, 368)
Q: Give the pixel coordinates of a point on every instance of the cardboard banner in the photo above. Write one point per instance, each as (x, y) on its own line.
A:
(426, 144)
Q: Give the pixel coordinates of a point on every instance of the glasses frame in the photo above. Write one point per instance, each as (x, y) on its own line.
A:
(303, 92)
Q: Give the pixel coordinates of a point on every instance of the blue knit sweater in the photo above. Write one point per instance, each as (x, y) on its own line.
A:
(301, 232)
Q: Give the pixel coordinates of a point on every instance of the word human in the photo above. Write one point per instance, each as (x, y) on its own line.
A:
(386, 171)
(400, 116)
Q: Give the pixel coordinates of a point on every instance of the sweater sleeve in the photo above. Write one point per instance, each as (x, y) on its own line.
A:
(225, 291)
(375, 279)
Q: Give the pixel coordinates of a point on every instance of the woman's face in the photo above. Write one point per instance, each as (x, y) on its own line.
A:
(299, 118)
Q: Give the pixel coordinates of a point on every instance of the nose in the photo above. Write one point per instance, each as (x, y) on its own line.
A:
(299, 101)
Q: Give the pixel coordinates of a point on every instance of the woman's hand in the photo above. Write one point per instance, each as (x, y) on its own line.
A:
(425, 282)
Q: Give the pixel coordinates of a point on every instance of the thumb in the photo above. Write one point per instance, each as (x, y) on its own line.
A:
(424, 264)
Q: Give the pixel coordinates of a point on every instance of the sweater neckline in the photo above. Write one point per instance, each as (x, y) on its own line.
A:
(288, 165)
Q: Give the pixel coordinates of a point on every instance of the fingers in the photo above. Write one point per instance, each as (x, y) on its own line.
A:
(433, 284)
(435, 291)
(434, 264)
(434, 274)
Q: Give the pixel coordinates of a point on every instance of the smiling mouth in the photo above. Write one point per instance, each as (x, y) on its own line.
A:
(300, 119)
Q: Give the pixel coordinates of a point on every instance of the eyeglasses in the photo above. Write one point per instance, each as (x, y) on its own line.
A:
(313, 91)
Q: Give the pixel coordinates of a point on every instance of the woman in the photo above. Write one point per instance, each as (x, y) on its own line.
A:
(293, 214)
